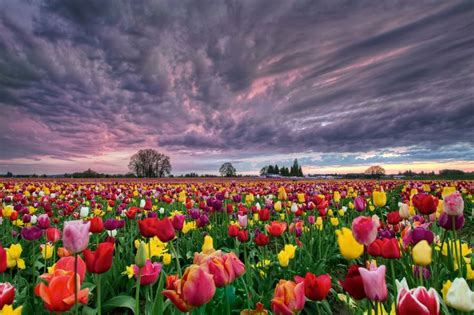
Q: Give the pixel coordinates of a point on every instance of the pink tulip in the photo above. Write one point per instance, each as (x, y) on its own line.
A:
(288, 298)
(76, 235)
(373, 280)
(417, 301)
(364, 230)
(243, 221)
(150, 272)
(359, 203)
(453, 204)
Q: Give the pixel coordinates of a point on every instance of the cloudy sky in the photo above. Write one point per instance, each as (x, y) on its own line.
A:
(340, 85)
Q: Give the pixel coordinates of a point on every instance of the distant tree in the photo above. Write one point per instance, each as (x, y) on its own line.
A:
(270, 169)
(264, 171)
(150, 163)
(449, 173)
(276, 169)
(284, 171)
(9, 174)
(295, 169)
(375, 171)
(227, 170)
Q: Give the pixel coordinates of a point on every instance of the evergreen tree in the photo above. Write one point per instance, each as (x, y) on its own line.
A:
(276, 169)
(270, 170)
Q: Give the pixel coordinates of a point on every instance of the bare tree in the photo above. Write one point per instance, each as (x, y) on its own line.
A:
(227, 169)
(375, 171)
(150, 163)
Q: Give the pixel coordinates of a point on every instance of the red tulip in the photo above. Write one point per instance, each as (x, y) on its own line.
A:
(417, 301)
(262, 239)
(178, 221)
(53, 235)
(375, 248)
(391, 248)
(100, 260)
(353, 284)
(276, 228)
(148, 205)
(165, 230)
(233, 230)
(394, 217)
(7, 294)
(148, 227)
(364, 230)
(316, 288)
(131, 213)
(3, 260)
(425, 203)
(264, 214)
(97, 225)
(243, 236)
(196, 288)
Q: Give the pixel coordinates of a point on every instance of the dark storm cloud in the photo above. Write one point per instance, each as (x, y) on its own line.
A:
(79, 78)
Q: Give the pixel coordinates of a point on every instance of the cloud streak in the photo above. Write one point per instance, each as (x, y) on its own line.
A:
(211, 81)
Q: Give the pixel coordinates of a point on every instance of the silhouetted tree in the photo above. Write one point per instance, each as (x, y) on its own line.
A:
(227, 169)
(375, 171)
(150, 163)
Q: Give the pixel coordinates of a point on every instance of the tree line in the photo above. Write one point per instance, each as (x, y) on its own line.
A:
(294, 170)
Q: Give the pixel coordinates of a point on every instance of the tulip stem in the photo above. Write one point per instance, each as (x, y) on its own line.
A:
(246, 293)
(178, 266)
(227, 303)
(76, 306)
(137, 292)
(99, 298)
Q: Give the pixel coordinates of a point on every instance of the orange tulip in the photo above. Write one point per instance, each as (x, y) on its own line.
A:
(288, 298)
(58, 291)
(275, 228)
(62, 252)
(196, 288)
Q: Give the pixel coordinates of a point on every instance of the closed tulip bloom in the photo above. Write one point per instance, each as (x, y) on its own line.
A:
(373, 280)
(425, 203)
(196, 288)
(275, 228)
(31, 233)
(348, 246)
(7, 294)
(208, 245)
(375, 248)
(446, 221)
(379, 198)
(288, 298)
(243, 236)
(359, 203)
(149, 272)
(459, 296)
(57, 291)
(283, 258)
(316, 288)
(364, 230)
(277, 206)
(76, 235)
(43, 221)
(243, 220)
(391, 248)
(224, 268)
(261, 239)
(419, 234)
(53, 235)
(422, 253)
(404, 210)
(148, 227)
(178, 221)
(3, 260)
(46, 251)
(353, 283)
(417, 301)
(97, 225)
(233, 230)
(100, 260)
(165, 230)
(453, 204)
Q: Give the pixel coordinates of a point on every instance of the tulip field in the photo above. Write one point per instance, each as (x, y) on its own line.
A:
(246, 246)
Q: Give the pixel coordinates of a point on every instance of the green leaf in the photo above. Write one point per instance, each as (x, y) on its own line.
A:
(158, 304)
(86, 310)
(123, 301)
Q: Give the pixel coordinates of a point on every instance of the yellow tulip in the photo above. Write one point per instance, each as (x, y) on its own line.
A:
(14, 256)
(129, 271)
(189, 226)
(319, 223)
(7, 211)
(208, 246)
(301, 198)
(46, 251)
(8, 310)
(448, 191)
(380, 198)
(283, 258)
(334, 221)
(348, 246)
(166, 259)
(445, 289)
(290, 250)
(282, 193)
(277, 206)
(422, 253)
(341, 212)
(337, 196)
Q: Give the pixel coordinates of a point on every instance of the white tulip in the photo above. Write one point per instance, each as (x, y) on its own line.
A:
(112, 233)
(161, 211)
(142, 203)
(294, 207)
(34, 219)
(460, 296)
(84, 212)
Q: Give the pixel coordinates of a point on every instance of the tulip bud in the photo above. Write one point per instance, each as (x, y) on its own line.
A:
(140, 258)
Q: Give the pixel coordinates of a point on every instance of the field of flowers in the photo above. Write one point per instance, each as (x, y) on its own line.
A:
(236, 247)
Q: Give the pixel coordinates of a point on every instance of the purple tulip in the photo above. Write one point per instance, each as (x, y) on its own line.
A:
(112, 224)
(194, 213)
(44, 221)
(311, 219)
(152, 215)
(359, 203)
(420, 234)
(426, 272)
(446, 221)
(26, 218)
(202, 221)
(31, 233)
(237, 198)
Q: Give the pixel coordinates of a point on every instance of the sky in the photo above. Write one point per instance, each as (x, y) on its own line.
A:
(340, 85)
